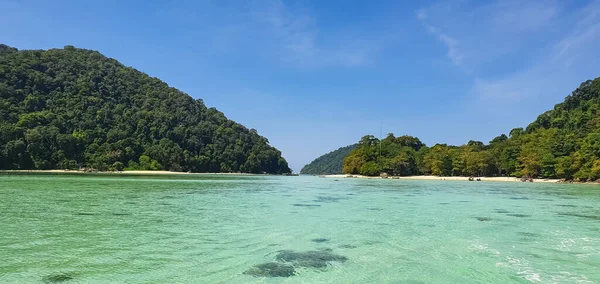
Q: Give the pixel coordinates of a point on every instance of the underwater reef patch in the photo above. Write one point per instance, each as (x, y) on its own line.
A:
(590, 217)
(306, 205)
(57, 278)
(518, 215)
(288, 260)
(312, 258)
(271, 269)
(483, 219)
(566, 205)
(328, 199)
(519, 198)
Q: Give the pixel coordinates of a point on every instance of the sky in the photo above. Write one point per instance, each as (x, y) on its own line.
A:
(313, 76)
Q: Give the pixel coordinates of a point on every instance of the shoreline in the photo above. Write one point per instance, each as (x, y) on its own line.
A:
(454, 178)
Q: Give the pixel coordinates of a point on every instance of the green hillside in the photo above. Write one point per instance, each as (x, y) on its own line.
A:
(330, 163)
(74, 108)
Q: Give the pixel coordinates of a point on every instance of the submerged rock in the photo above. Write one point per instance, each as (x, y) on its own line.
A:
(313, 258)
(375, 209)
(519, 198)
(527, 234)
(271, 269)
(327, 199)
(483, 219)
(518, 215)
(57, 278)
(591, 217)
(306, 205)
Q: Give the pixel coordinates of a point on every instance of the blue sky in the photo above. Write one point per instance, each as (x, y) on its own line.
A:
(313, 76)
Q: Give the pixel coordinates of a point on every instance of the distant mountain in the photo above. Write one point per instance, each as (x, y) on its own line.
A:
(330, 163)
(71, 108)
(561, 143)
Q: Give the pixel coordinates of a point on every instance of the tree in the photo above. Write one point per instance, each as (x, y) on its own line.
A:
(394, 156)
(370, 169)
(563, 168)
(118, 166)
(516, 132)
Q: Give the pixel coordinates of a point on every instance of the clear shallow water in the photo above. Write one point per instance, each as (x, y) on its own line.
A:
(211, 229)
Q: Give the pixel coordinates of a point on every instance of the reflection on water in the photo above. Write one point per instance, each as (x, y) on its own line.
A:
(257, 229)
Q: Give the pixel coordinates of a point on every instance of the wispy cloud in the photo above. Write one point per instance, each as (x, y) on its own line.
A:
(582, 40)
(519, 51)
(451, 43)
(554, 70)
(520, 16)
(297, 36)
(478, 33)
(288, 34)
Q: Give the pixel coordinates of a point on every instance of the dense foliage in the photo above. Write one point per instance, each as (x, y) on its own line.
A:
(73, 108)
(330, 163)
(561, 143)
(392, 155)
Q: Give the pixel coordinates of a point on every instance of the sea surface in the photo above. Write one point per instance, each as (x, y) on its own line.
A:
(267, 229)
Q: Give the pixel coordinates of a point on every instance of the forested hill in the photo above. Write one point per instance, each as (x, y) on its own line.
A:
(561, 143)
(74, 108)
(330, 163)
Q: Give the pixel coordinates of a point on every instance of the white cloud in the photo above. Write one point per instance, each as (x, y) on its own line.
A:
(451, 44)
(453, 50)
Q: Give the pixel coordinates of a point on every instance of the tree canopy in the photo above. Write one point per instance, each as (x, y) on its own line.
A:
(560, 143)
(392, 155)
(330, 163)
(74, 108)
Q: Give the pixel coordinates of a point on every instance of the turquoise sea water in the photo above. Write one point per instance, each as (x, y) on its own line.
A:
(213, 229)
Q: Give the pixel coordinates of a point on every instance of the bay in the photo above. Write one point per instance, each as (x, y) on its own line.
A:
(220, 228)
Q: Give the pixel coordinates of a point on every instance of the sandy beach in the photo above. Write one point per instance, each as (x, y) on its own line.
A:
(487, 179)
(491, 179)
